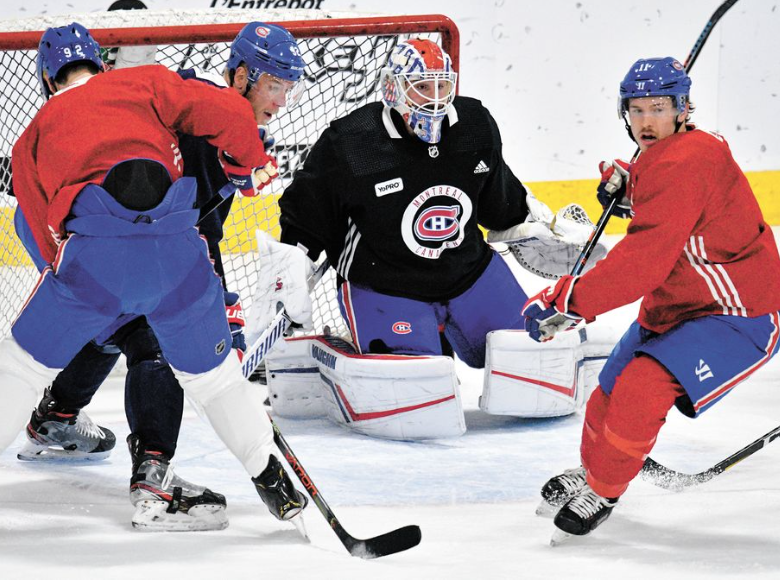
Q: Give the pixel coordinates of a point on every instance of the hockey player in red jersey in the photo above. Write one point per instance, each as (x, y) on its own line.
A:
(99, 168)
(264, 67)
(705, 263)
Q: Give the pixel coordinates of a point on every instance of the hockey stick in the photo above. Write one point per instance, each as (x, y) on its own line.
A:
(384, 545)
(662, 476)
(225, 192)
(275, 330)
(615, 198)
(376, 547)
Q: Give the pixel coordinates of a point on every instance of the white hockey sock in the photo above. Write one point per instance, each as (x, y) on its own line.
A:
(235, 410)
(22, 381)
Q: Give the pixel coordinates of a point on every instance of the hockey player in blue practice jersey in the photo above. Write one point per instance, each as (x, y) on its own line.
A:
(153, 397)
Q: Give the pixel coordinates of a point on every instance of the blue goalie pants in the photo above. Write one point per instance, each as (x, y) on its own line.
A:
(117, 261)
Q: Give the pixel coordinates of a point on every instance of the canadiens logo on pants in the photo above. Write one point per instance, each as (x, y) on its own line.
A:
(402, 327)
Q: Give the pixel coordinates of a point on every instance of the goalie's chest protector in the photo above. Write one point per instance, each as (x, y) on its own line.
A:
(413, 207)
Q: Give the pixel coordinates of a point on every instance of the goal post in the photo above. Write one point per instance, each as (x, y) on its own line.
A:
(344, 54)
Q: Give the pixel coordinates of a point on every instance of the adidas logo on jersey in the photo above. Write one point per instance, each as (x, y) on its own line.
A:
(481, 167)
(703, 371)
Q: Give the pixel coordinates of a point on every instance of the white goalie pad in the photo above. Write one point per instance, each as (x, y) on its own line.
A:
(524, 378)
(387, 396)
(295, 389)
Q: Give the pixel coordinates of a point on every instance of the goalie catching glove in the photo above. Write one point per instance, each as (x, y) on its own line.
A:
(615, 177)
(283, 276)
(548, 244)
(248, 180)
(548, 312)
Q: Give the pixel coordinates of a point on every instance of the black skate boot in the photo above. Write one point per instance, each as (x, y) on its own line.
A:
(166, 502)
(277, 491)
(560, 489)
(582, 514)
(56, 433)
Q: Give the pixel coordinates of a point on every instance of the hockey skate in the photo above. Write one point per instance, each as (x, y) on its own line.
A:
(560, 489)
(55, 433)
(164, 502)
(581, 515)
(278, 493)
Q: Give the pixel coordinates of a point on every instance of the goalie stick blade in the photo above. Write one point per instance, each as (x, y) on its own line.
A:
(384, 545)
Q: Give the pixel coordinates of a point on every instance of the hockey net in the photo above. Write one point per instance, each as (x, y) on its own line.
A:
(344, 54)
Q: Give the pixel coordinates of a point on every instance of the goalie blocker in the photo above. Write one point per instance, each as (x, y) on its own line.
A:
(386, 396)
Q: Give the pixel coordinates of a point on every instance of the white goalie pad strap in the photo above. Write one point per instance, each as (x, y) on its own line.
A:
(524, 378)
(388, 396)
(295, 389)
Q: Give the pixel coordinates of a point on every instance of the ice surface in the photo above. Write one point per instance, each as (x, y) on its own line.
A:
(474, 498)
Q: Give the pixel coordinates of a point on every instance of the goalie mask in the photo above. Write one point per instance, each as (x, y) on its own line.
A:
(419, 83)
(62, 46)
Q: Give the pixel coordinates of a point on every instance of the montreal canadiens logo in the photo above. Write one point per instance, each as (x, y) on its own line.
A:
(437, 223)
(434, 221)
(262, 31)
(401, 327)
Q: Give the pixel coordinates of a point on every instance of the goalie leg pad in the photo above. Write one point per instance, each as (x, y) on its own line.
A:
(389, 396)
(295, 389)
(524, 378)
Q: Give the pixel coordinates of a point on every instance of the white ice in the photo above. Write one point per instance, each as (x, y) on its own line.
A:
(474, 498)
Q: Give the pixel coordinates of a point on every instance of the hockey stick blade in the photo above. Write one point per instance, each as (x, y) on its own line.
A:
(662, 476)
(384, 545)
(376, 547)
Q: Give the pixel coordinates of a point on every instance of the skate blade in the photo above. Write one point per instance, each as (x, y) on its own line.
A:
(559, 537)
(32, 452)
(300, 526)
(151, 516)
(546, 510)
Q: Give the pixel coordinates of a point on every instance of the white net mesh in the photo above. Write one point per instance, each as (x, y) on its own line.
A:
(342, 74)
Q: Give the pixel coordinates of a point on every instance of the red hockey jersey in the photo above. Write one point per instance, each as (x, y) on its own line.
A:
(697, 244)
(86, 129)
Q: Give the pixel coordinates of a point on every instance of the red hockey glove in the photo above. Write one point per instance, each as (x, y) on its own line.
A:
(548, 312)
(249, 181)
(615, 177)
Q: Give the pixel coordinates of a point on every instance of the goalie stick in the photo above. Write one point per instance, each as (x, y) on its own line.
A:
(613, 201)
(376, 547)
(662, 476)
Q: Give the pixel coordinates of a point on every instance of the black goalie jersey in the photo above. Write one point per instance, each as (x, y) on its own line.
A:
(398, 215)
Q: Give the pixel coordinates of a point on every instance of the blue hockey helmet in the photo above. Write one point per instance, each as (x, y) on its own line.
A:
(266, 48)
(62, 46)
(655, 77)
